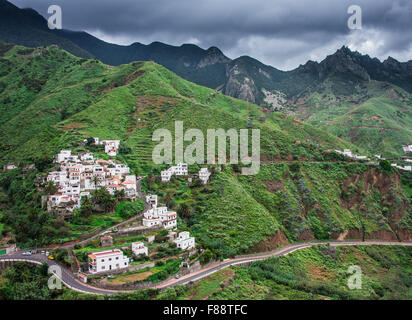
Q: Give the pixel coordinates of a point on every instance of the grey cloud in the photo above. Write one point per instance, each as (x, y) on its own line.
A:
(288, 32)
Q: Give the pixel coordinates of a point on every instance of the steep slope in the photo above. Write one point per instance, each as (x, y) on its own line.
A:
(326, 94)
(49, 89)
(345, 99)
(53, 100)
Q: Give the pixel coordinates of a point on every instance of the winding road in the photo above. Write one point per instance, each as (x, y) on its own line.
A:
(70, 280)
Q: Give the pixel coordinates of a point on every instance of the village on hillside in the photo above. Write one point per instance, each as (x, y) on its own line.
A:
(152, 239)
(77, 176)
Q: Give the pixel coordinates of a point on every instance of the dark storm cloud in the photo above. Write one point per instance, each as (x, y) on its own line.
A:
(283, 33)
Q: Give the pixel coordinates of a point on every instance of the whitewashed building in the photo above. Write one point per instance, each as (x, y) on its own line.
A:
(181, 169)
(160, 216)
(185, 241)
(166, 175)
(152, 200)
(407, 148)
(204, 175)
(107, 260)
(63, 156)
(139, 248)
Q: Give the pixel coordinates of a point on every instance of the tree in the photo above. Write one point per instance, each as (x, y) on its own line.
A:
(124, 149)
(101, 197)
(168, 199)
(42, 162)
(90, 141)
(184, 211)
(86, 208)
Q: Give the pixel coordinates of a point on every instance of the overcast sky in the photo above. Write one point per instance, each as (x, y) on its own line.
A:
(282, 33)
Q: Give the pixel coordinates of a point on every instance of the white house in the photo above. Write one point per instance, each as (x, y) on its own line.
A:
(63, 156)
(77, 175)
(160, 216)
(181, 169)
(151, 222)
(86, 157)
(111, 147)
(10, 166)
(169, 219)
(407, 148)
(204, 175)
(139, 248)
(185, 241)
(348, 153)
(107, 260)
(152, 200)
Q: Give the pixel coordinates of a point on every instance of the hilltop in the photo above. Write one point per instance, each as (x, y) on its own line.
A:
(358, 98)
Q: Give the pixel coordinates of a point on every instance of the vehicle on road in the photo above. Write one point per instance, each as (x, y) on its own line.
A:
(177, 276)
(51, 257)
(26, 253)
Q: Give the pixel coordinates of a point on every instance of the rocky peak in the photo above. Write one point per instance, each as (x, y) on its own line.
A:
(213, 56)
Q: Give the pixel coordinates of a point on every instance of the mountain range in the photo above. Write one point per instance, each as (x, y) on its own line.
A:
(358, 98)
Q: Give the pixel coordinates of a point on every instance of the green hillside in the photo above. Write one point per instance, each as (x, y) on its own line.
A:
(375, 115)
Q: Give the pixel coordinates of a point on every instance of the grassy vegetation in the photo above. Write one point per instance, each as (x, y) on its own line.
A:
(375, 116)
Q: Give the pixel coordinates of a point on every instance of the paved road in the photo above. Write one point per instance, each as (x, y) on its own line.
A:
(261, 256)
(108, 230)
(68, 278)
(71, 282)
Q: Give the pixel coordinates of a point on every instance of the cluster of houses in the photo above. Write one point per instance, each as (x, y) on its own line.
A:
(78, 175)
(181, 169)
(114, 259)
(348, 153)
(159, 216)
(110, 146)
